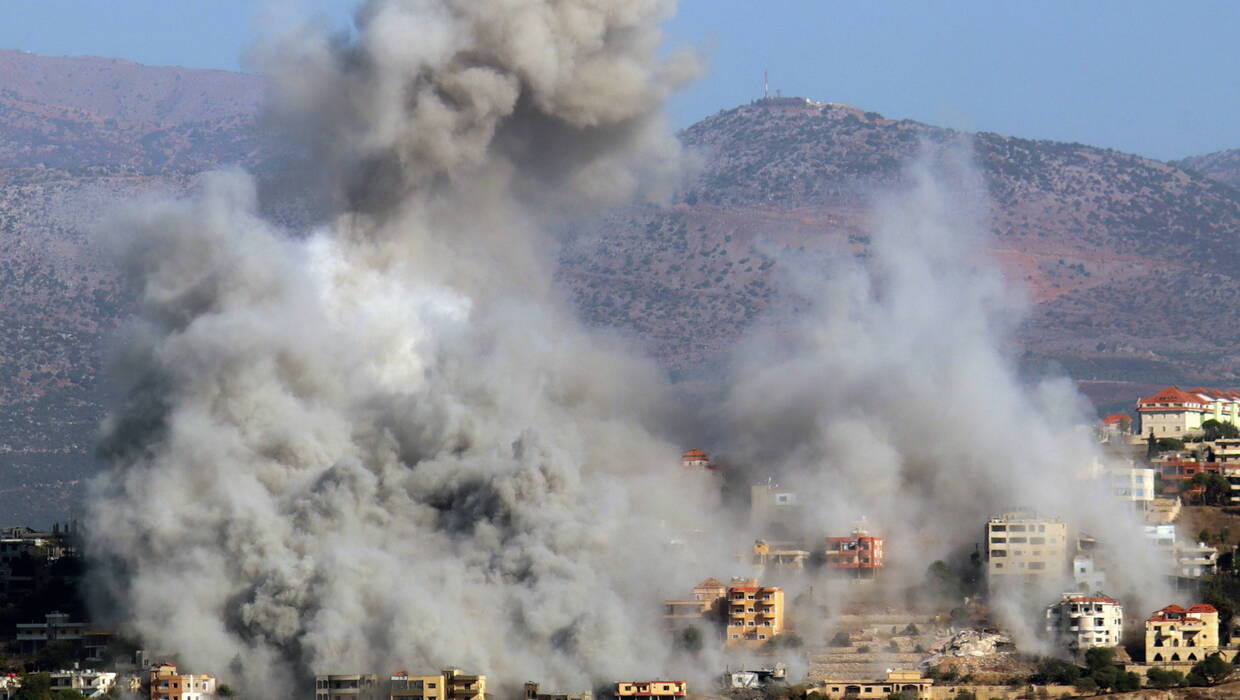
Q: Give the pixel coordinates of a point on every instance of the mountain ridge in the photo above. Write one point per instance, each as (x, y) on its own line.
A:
(1080, 228)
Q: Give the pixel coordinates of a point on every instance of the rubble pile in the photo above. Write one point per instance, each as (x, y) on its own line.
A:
(972, 643)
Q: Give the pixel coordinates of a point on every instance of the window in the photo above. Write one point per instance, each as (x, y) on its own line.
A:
(1037, 565)
(1037, 540)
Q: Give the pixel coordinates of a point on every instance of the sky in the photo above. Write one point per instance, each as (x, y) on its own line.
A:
(1154, 78)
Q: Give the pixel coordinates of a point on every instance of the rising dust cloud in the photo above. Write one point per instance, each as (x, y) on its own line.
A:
(387, 442)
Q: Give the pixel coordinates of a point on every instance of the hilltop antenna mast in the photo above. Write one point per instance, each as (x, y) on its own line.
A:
(766, 93)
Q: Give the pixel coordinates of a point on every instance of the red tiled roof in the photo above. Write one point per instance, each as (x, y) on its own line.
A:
(1116, 418)
(694, 454)
(1202, 608)
(710, 583)
(1092, 599)
(1171, 394)
(1173, 609)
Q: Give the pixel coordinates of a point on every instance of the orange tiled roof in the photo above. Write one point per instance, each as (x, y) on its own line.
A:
(1171, 394)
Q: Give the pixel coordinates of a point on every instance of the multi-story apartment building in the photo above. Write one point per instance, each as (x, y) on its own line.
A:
(87, 643)
(464, 686)
(653, 690)
(860, 554)
(1173, 412)
(1133, 484)
(1025, 546)
(1080, 622)
(1174, 635)
(165, 683)
(531, 693)
(348, 686)
(88, 682)
(755, 613)
(406, 687)
(1227, 452)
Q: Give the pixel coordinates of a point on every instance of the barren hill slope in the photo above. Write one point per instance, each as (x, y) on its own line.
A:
(1132, 263)
(1223, 166)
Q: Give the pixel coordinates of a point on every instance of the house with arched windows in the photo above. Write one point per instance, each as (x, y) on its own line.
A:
(1175, 635)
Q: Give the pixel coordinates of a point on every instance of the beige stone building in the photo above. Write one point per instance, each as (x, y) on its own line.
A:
(897, 680)
(1174, 635)
(755, 613)
(652, 690)
(706, 605)
(1024, 546)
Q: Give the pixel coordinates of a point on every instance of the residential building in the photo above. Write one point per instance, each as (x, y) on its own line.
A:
(349, 686)
(402, 685)
(167, 684)
(33, 637)
(1196, 560)
(1221, 405)
(1087, 575)
(464, 686)
(1161, 536)
(1176, 413)
(1163, 511)
(531, 693)
(696, 460)
(1025, 546)
(87, 682)
(1133, 484)
(778, 557)
(1171, 413)
(652, 689)
(1080, 622)
(706, 605)
(1174, 635)
(755, 613)
(1115, 425)
(1227, 451)
(774, 511)
(860, 554)
(896, 681)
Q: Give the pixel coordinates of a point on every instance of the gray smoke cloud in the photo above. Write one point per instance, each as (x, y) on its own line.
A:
(386, 443)
(894, 399)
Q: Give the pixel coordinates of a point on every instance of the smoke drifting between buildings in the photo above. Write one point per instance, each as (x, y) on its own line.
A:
(387, 442)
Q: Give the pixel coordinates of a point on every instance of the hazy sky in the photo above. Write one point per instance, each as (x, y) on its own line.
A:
(1157, 78)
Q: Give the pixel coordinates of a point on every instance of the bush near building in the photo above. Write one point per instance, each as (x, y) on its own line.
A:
(1211, 670)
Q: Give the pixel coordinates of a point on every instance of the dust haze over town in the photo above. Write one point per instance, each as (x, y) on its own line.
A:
(361, 439)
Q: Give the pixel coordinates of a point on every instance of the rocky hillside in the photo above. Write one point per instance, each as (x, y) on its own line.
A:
(1223, 166)
(1134, 264)
(78, 135)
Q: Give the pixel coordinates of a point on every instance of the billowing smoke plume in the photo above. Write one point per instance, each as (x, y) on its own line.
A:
(385, 443)
(893, 399)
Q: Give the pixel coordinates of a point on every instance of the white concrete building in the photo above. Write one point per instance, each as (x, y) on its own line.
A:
(1080, 622)
(1133, 484)
(1087, 575)
(91, 683)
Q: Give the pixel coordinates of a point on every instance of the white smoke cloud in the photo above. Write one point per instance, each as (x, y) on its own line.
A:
(894, 398)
